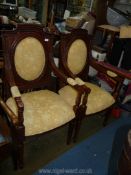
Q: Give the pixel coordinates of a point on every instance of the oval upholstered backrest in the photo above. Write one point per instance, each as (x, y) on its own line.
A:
(77, 56)
(29, 58)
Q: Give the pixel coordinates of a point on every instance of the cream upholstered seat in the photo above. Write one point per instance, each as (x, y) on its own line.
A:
(32, 104)
(43, 111)
(75, 59)
(98, 99)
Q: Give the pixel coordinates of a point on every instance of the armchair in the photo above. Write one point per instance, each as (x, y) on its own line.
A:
(29, 101)
(75, 59)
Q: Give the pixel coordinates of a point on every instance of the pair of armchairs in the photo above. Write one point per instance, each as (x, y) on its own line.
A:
(28, 99)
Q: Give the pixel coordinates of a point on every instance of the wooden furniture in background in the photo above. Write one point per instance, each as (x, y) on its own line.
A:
(109, 33)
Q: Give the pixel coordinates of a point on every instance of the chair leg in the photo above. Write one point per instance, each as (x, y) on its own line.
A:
(18, 147)
(80, 114)
(18, 156)
(70, 131)
(77, 128)
(107, 115)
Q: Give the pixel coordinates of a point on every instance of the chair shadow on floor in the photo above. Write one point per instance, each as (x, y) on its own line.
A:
(117, 147)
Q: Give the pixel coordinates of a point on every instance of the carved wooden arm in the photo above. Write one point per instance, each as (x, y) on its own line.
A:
(17, 97)
(108, 68)
(9, 112)
(16, 120)
(113, 72)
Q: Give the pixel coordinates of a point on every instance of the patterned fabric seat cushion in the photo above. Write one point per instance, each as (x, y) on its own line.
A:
(44, 110)
(98, 99)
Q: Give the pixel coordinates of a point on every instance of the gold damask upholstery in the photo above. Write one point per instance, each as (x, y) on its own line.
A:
(29, 53)
(44, 110)
(77, 55)
(98, 99)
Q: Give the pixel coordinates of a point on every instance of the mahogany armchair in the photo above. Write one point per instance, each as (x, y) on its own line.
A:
(31, 105)
(75, 59)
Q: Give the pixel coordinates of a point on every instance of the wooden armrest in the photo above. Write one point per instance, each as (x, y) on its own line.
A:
(79, 81)
(15, 91)
(104, 67)
(20, 105)
(17, 96)
(9, 112)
